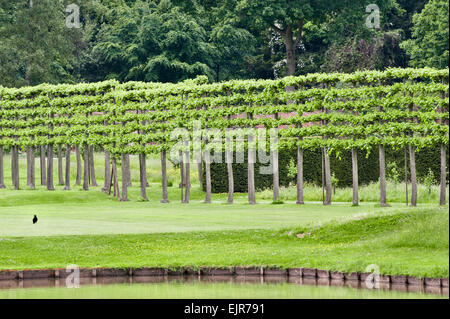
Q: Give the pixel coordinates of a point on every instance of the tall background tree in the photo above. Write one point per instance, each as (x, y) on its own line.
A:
(36, 46)
(429, 45)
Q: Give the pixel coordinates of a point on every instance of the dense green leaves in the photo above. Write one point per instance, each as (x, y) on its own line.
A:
(429, 45)
(396, 108)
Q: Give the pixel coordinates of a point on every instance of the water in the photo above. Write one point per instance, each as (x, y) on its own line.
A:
(215, 287)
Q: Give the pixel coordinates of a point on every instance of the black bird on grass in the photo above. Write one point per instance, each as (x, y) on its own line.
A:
(35, 219)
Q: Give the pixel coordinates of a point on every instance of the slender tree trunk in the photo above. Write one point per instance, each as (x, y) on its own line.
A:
(323, 177)
(42, 164)
(2, 177)
(143, 176)
(165, 198)
(182, 183)
(67, 181)
(412, 164)
(13, 166)
(13, 170)
(17, 167)
(86, 168)
(251, 171)
(300, 176)
(406, 176)
(276, 176)
(32, 169)
(92, 167)
(107, 182)
(50, 185)
(28, 166)
(442, 199)
(327, 178)
(382, 176)
(124, 179)
(78, 157)
(128, 170)
(355, 176)
(115, 177)
(208, 176)
(60, 166)
(187, 178)
(229, 160)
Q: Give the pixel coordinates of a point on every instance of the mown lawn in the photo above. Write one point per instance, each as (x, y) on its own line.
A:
(411, 243)
(91, 229)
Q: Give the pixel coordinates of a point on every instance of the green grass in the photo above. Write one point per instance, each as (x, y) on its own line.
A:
(367, 193)
(91, 229)
(86, 213)
(413, 243)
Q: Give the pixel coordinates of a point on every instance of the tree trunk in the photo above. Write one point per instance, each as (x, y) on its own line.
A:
(115, 177)
(128, 170)
(355, 176)
(229, 160)
(2, 177)
(165, 198)
(291, 63)
(15, 167)
(67, 181)
(42, 164)
(124, 179)
(107, 182)
(412, 164)
(382, 176)
(187, 178)
(78, 157)
(442, 199)
(32, 169)
(143, 177)
(300, 176)
(406, 176)
(86, 168)
(50, 185)
(327, 178)
(92, 167)
(28, 166)
(60, 166)
(276, 176)
(200, 168)
(182, 183)
(251, 171)
(208, 177)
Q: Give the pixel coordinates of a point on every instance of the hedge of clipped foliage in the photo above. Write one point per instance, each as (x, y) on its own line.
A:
(368, 169)
(362, 110)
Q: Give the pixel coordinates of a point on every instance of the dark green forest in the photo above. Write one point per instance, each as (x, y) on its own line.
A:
(174, 40)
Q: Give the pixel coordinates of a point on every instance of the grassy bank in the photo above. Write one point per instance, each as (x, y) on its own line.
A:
(413, 243)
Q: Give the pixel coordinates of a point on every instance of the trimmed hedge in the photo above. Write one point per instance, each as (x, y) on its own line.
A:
(368, 169)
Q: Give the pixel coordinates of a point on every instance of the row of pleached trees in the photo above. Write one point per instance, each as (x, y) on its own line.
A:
(362, 112)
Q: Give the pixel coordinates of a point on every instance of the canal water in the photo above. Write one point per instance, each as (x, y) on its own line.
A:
(214, 287)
